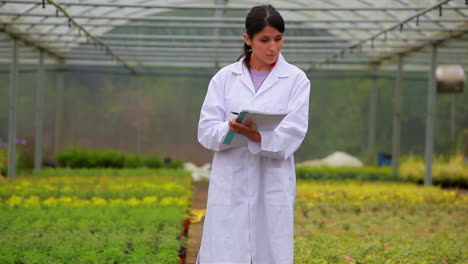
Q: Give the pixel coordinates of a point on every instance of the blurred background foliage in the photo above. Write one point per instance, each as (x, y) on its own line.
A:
(101, 112)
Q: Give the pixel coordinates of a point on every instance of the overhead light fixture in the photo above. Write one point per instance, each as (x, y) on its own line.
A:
(450, 78)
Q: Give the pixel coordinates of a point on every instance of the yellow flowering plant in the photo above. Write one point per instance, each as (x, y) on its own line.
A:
(364, 222)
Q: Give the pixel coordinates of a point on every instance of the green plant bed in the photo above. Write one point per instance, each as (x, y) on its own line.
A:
(347, 174)
(375, 223)
(94, 216)
(91, 234)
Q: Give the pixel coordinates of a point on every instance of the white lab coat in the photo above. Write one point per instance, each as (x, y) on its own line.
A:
(250, 214)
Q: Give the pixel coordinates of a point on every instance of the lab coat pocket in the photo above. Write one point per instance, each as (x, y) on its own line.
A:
(278, 187)
(220, 187)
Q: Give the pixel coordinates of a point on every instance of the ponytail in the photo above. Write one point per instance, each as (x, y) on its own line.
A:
(247, 53)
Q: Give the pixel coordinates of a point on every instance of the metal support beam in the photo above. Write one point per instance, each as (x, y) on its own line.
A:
(235, 19)
(39, 114)
(59, 87)
(241, 8)
(97, 40)
(30, 42)
(430, 115)
(12, 117)
(372, 117)
(377, 42)
(388, 29)
(139, 95)
(218, 13)
(453, 101)
(397, 116)
(237, 26)
(241, 20)
(139, 114)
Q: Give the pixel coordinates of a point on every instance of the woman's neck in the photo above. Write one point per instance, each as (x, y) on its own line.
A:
(258, 65)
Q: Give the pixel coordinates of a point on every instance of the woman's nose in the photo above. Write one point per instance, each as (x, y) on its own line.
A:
(273, 46)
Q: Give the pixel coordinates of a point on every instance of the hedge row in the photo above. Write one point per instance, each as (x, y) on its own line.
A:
(345, 174)
(448, 174)
(82, 158)
(451, 173)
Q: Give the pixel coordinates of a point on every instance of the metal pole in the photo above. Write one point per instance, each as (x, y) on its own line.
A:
(431, 100)
(218, 13)
(139, 115)
(12, 118)
(452, 117)
(138, 102)
(59, 86)
(39, 114)
(397, 116)
(372, 117)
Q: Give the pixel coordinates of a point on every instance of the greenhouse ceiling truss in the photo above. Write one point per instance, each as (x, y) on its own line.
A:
(325, 35)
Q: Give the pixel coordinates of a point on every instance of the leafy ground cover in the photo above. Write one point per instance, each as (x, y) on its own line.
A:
(94, 216)
(379, 223)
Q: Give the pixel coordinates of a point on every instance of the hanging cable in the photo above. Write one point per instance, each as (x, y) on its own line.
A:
(399, 25)
(96, 40)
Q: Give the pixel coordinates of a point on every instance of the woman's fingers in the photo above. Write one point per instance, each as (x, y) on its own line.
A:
(233, 125)
(251, 125)
(238, 127)
(249, 129)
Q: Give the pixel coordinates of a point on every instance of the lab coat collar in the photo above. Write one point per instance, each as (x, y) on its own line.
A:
(278, 71)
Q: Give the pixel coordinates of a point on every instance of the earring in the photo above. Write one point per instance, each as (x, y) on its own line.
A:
(250, 50)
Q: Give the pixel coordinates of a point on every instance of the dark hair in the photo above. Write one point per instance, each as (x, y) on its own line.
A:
(258, 18)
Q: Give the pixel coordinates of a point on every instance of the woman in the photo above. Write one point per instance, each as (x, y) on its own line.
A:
(250, 207)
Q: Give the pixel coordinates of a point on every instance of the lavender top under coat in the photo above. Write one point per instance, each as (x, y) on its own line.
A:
(258, 77)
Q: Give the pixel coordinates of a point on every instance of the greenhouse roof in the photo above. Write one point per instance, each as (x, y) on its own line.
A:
(321, 34)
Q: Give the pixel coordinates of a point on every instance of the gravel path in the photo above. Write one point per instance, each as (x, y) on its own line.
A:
(200, 192)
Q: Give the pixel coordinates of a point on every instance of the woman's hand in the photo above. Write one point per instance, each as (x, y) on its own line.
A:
(249, 129)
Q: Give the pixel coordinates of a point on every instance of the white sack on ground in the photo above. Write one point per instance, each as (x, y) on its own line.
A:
(198, 173)
(311, 163)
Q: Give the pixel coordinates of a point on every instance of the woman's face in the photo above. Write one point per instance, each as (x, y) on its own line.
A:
(266, 46)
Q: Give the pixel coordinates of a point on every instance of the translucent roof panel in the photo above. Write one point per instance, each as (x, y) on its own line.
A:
(320, 34)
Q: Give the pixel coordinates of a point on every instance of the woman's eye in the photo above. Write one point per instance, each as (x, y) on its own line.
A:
(264, 40)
